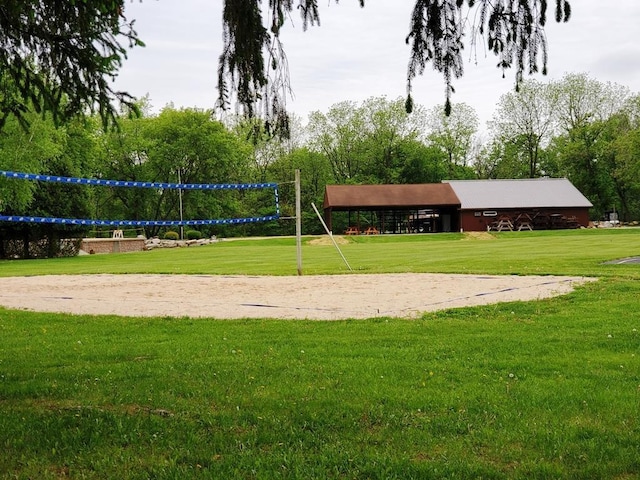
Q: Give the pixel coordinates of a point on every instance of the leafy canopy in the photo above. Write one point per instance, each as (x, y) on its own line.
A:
(59, 56)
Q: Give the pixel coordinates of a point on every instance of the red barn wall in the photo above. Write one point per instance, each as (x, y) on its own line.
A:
(476, 221)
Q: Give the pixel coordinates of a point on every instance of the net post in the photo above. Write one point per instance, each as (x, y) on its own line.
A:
(298, 223)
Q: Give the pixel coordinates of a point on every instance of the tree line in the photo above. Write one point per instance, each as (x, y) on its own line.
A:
(577, 127)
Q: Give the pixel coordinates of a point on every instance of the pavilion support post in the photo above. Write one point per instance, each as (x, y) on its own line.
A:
(328, 218)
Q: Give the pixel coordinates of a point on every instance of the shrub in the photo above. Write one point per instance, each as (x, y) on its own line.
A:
(193, 235)
(171, 235)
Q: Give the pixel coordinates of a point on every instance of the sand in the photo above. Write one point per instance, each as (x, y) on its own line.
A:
(321, 297)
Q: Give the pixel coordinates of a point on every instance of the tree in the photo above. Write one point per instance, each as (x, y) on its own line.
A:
(388, 129)
(339, 135)
(188, 143)
(315, 174)
(626, 170)
(453, 134)
(421, 163)
(61, 56)
(124, 156)
(365, 143)
(601, 159)
(596, 122)
(583, 100)
(22, 151)
(60, 199)
(266, 148)
(253, 66)
(67, 151)
(527, 119)
(185, 145)
(621, 160)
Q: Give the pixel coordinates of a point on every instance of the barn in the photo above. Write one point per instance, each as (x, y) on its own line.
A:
(458, 205)
(531, 204)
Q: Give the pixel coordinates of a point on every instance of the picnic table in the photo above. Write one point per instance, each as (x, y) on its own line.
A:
(572, 222)
(371, 231)
(524, 222)
(503, 223)
(352, 231)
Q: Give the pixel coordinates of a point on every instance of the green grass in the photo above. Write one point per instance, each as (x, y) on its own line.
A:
(546, 389)
(575, 252)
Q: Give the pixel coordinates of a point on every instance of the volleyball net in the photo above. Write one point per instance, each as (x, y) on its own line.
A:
(136, 184)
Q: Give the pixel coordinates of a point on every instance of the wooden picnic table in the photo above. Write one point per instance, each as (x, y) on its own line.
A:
(371, 231)
(524, 222)
(352, 231)
(503, 223)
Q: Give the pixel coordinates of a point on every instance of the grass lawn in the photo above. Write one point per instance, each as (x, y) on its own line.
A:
(526, 390)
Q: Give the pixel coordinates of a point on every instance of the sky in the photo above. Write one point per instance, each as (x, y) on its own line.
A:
(358, 53)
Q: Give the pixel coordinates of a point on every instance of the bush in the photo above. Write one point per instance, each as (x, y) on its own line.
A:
(193, 235)
(171, 235)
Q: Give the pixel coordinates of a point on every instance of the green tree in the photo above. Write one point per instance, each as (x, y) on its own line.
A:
(388, 128)
(366, 143)
(579, 157)
(315, 174)
(61, 57)
(627, 173)
(527, 119)
(421, 163)
(267, 149)
(68, 151)
(454, 134)
(201, 150)
(22, 151)
(185, 145)
(595, 148)
(124, 155)
(339, 135)
(583, 100)
(62, 200)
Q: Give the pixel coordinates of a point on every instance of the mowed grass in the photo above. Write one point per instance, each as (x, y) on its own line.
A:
(544, 389)
(573, 252)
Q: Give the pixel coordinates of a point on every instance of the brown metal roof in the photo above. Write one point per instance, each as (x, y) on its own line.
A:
(348, 197)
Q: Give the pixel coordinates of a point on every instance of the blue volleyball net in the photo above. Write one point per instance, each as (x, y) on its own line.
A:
(132, 184)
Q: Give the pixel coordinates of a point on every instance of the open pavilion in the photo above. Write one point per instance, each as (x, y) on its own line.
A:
(458, 205)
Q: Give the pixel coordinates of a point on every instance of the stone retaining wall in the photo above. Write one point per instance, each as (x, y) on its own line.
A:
(156, 242)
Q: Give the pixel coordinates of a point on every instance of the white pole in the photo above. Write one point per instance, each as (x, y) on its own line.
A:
(326, 229)
(298, 223)
(180, 203)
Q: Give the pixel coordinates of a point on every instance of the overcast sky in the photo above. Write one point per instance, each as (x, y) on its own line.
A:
(360, 53)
